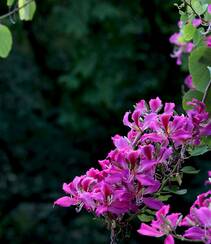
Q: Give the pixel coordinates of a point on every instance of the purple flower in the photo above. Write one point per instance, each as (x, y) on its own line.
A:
(65, 202)
(209, 8)
(208, 182)
(181, 46)
(189, 82)
(196, 22)
(208, 41)
(164, 225)
(199, 219)
(155, 104)
(131, 175)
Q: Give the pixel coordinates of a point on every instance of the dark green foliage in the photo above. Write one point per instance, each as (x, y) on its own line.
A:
(71, 75)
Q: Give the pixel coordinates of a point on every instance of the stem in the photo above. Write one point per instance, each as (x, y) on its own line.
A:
(181, 238)
(136, 140)
(190, 5)
(168, 176)
(15, 10)
(206, 91)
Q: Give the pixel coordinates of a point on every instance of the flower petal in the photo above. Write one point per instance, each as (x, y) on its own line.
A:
(65, 202)
(149, 231)
(169, 240)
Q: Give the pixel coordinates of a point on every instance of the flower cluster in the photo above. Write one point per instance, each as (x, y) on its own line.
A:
(164, 225)
(181, 46)
(197, 222)
(134, 172)
(184, 39)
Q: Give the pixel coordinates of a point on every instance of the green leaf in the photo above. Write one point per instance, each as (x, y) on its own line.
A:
(198, 7)
(150, 211)
(188, 32)
(164, 198)
(207, 17)
(181, 192)
(197, 37)
(189, 170)
(205, 1)
(175, 190)
(5, 41)
(207, 141)
(27, 9)
(10, 2)
(199, 150)
(199, 60)
(145, 218)
(183, 16)
(179, 179)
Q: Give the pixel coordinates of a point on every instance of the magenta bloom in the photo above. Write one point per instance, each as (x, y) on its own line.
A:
(196, 22)
(199, 219)
(208, 41)
(208, 182)
(162, 226)
(132, 173)
(189, 82)
(209, 8)
(181, 47)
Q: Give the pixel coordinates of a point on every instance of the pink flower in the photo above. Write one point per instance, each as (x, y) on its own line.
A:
(189, 82)
(199, 219)
(174, 39)
(163, 225)
(181, 46)
(155, 104)
(209, 8)
(208, 182)
(208, 41)
(65, 202)
(130, 175)
(196, 22)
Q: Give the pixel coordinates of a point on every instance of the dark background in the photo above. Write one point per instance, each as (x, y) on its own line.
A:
(72, 74)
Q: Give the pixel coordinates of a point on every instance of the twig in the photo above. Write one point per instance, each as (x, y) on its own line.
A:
(190, 5)
(206, 91)
(138, 137)
(179, 237)
(15, 10)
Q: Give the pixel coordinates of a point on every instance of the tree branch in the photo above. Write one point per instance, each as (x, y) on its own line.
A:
(15, 10)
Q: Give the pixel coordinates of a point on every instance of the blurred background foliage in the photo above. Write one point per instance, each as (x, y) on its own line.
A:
(72, 74)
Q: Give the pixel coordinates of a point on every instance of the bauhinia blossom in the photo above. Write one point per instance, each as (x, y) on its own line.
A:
(181, 46)
(133, 172)
(209, 9)
(189, 82)
(164, 225)
(198, 220)
(197, 223)
(208, 41)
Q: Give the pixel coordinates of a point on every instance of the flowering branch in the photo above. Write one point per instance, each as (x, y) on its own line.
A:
(147, 163)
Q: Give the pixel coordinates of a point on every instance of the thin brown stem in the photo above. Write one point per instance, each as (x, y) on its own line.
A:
(191, 7)
(15, 10)
(181, 238)
(206, 91)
